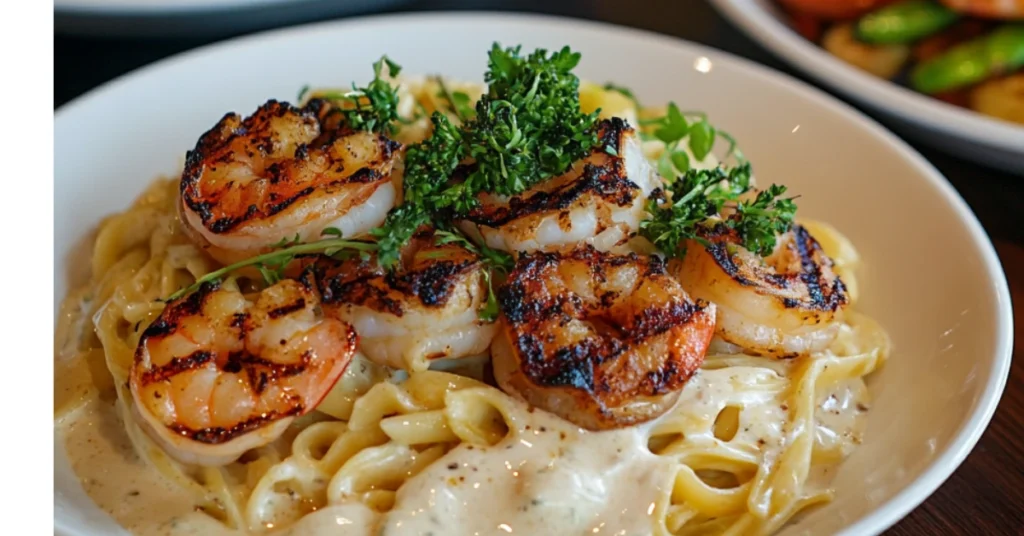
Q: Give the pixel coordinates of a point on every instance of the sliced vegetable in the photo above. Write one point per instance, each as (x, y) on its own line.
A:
(904, 22)
(967, 64)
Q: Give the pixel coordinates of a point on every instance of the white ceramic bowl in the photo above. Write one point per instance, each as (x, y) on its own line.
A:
(968, 134)
(932, 277)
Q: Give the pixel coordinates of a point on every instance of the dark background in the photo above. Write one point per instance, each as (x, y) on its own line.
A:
(986, 495)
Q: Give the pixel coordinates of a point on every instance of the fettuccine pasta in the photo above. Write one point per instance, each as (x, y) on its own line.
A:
(751, 442)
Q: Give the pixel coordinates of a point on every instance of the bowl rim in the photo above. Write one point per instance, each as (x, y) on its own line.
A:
(896, 507)
(883, 95)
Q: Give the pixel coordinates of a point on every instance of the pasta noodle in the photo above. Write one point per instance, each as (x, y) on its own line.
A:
(742, 452)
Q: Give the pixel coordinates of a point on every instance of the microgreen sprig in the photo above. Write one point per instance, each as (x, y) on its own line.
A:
(272, 264)
(374, 107)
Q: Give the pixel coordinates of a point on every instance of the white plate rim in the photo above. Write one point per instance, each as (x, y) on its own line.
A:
(943, 466)
(894, 99)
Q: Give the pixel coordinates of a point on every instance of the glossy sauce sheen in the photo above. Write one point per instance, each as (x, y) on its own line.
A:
(545, 477)
(119, 481)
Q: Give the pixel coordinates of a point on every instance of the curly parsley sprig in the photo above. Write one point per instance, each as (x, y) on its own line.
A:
(526, 128)
(698, 198)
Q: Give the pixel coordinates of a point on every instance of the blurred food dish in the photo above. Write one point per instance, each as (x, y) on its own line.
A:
(949, 72)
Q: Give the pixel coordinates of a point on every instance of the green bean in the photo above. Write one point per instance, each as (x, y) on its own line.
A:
(969, 63)
(904, 22)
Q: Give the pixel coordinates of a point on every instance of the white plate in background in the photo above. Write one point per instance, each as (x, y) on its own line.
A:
(965, 133)
(933, 398)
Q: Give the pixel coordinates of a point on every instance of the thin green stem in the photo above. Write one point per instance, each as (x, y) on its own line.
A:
(299, 249)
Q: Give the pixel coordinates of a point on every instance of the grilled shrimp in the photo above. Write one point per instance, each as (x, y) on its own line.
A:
(216, 375)
(600, 200)
(425, 310)
(599, 339)
(281, 172)
(786, 305)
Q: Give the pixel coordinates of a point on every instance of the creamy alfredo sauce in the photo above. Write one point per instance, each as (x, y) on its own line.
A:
(546, 477)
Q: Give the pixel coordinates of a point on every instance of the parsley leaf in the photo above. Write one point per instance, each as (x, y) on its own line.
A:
(674, 126)
(526, 128)
(696, 200)
(758, 222)
(702, 139)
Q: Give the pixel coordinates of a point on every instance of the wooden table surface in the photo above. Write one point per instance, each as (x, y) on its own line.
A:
(986, 494)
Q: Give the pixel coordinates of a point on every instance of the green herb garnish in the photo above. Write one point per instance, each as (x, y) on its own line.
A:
(695, 201)
(272, 265)
(373, 108)
(676, 126)
(528, 127)
(458, 102)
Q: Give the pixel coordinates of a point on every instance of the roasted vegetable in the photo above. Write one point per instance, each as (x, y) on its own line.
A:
(904, 22)
(999, 52)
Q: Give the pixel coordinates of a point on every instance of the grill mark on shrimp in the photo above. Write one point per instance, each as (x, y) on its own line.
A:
(177, 366)
(242, 365)
(168, 321)
(610, 133)
(231, 127)
(260, 371)
(287, 309)
(337, 290)
(217, 435)
(529, 312)
(607, 182)
(432, 286)
(820, 296)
